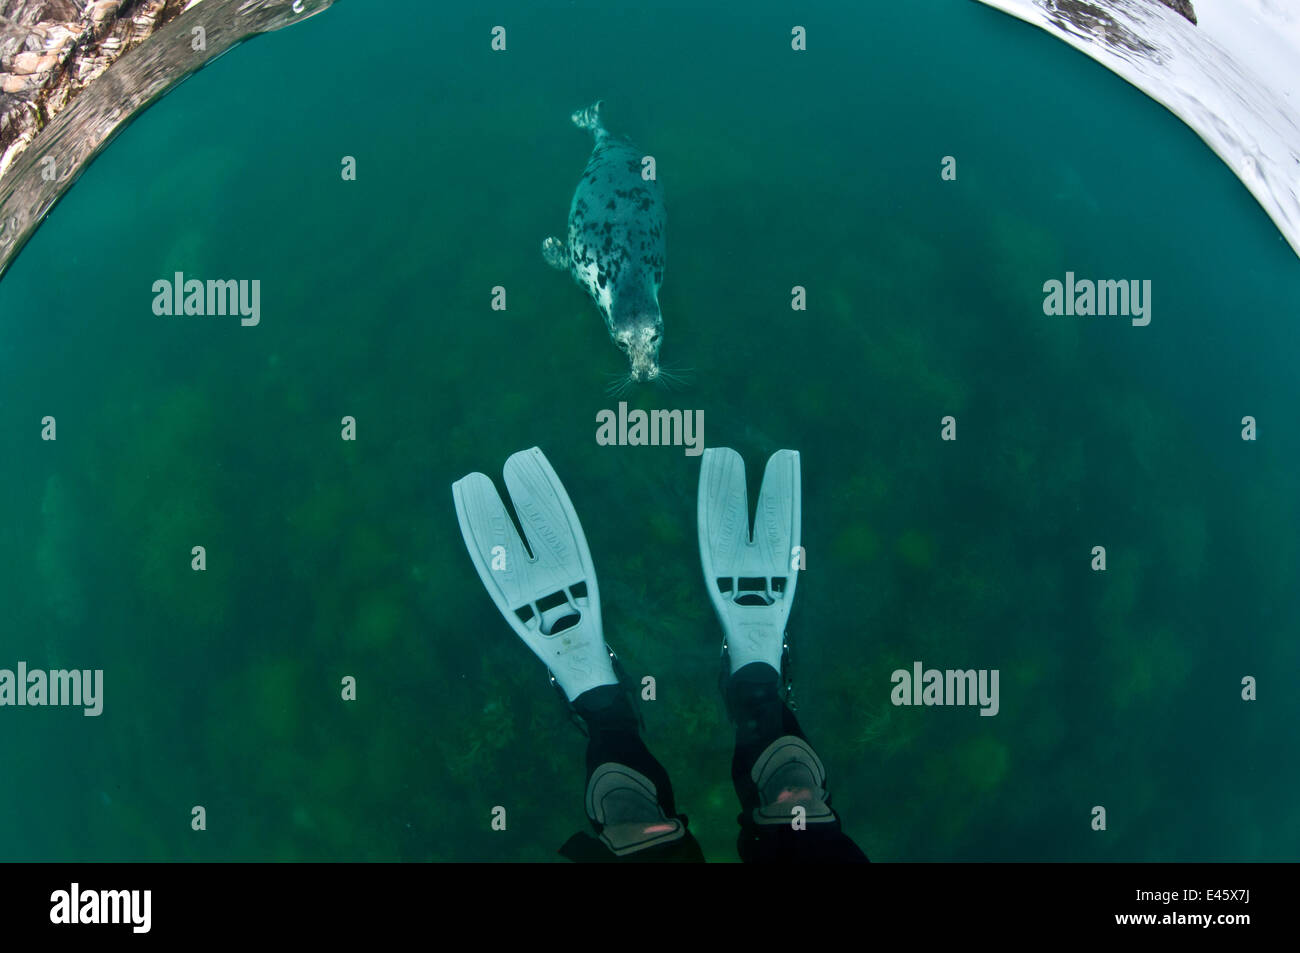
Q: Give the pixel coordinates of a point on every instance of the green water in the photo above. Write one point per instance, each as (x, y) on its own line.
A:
(329, 558)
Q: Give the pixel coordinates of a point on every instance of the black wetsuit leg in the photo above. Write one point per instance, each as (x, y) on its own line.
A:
(615, 736)
(761, 717)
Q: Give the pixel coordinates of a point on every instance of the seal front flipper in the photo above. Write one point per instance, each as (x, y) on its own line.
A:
(750, 579)
(550, 597)
(556, 253)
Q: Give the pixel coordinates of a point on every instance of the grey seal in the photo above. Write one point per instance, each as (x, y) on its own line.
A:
(615, 244)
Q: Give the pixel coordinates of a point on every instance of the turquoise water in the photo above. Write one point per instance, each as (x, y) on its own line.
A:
(328, 558)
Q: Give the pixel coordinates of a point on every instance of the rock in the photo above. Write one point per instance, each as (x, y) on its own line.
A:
(29, 62)
(1183, 7)
(1094, 18)
(50, 50)
(92, 76)
(104, 10)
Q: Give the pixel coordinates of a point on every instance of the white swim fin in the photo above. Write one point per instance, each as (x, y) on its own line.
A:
(751, 579)
(549, 598)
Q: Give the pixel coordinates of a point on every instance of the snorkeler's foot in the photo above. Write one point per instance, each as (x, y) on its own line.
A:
(774, 767)
(549, 598)
(751, 578)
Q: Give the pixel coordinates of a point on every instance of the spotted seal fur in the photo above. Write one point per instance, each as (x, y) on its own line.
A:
(615, 244)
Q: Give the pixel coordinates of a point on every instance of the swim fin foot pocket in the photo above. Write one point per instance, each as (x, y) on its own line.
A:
(623, 805)
(788, 774)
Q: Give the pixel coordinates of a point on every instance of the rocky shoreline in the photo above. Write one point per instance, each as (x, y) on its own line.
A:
(1096, 18)
(68, 86)
(51, 50)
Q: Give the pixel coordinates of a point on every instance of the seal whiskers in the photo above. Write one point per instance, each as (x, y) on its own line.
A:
(675, 380)
(619, 386)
